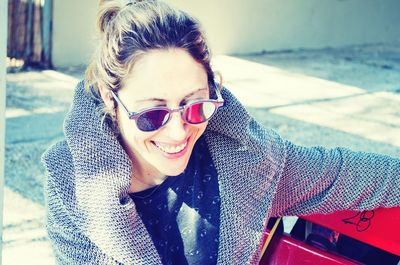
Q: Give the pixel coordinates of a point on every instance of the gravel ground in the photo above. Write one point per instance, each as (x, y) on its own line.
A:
(373, 67)
(36, 106)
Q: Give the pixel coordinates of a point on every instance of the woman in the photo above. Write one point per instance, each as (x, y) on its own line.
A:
(154, 170)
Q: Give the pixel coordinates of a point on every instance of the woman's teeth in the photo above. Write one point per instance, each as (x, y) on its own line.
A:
(171, 149)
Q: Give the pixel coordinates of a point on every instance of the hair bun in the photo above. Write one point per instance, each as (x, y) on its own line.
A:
(108, 9)
(134, 2)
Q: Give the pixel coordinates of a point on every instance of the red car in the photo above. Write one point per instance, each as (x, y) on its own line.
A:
(346, 237)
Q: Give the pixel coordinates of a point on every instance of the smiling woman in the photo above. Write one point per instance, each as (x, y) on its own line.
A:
(160, 165)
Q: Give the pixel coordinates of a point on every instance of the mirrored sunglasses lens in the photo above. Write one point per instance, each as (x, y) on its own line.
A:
(152, 120)
(200, 112)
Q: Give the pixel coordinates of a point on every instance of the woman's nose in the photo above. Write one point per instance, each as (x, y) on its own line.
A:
(176, 127)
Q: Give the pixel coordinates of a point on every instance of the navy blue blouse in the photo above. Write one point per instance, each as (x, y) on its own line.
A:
(182, 214)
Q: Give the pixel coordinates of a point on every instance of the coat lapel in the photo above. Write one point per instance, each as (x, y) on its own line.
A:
(102, 177)
(248, 159)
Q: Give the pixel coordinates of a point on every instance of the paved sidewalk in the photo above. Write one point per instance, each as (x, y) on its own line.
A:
(268, 91)
(25, 240)
(307, 104)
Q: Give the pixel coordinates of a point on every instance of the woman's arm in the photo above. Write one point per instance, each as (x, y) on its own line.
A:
(319, 180)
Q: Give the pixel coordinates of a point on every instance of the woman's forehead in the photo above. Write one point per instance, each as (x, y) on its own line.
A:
(165, 74)
(195, 92)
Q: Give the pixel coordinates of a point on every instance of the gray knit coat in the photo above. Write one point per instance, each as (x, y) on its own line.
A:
(92, 220)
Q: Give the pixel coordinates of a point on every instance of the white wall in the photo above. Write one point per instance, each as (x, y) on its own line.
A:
(234, 26)
(73, 31)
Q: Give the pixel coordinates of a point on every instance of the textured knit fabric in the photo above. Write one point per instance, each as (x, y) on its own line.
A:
(92, 220)
(182, 214)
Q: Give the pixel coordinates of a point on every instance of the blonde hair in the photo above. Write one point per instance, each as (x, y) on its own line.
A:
(129, 29)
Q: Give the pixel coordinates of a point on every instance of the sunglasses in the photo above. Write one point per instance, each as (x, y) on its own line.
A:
(195, 112)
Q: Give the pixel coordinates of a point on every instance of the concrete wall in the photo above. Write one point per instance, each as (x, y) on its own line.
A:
(234, 26)
(248, 26)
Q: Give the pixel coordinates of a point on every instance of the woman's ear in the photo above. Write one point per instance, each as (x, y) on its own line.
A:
(106, 96)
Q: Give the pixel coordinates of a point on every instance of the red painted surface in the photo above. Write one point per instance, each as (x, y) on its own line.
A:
(379, 228)
(286, 250)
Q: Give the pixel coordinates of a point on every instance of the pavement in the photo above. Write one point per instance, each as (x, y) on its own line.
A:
(348, 96)
(36, 105)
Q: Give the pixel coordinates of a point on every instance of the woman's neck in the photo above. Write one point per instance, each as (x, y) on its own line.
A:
(144, 180)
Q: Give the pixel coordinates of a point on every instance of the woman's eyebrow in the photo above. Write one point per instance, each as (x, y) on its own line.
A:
(163, 100)
(195, 92)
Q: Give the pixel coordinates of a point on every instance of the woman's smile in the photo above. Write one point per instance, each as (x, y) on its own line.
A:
(171, 148)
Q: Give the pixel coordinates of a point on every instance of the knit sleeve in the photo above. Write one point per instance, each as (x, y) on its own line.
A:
(319, 180)
(70, 245)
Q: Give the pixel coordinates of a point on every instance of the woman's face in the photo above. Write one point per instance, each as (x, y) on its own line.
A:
(162, 78)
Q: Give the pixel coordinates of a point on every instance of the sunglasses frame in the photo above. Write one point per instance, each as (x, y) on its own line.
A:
(219, 102)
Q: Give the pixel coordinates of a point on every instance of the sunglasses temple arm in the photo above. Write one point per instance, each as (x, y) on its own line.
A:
(120, 103)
